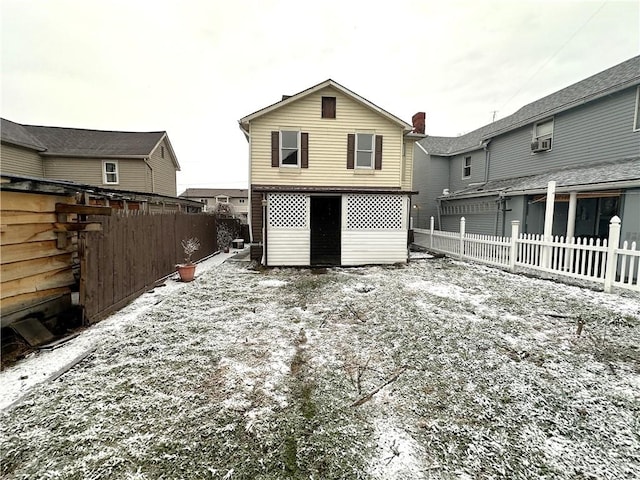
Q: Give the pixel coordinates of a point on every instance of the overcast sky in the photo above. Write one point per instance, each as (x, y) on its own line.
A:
(195, 67)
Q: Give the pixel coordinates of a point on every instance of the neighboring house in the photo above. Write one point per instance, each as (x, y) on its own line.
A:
(585, 137)
(132, 161)
(236, 197)
(330, 172)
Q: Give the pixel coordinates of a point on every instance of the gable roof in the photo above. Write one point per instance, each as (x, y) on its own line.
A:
(16, 134)
(614, 79)
(214, 192)
(612, 174)
(79, 142)
(327, 83)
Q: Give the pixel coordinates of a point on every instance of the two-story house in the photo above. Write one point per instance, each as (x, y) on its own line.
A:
(330, 179)
(585, 137)
(131, 161)
(237, 198)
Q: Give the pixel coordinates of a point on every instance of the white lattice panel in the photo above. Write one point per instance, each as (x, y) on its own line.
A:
(374, 212)
(287, 210)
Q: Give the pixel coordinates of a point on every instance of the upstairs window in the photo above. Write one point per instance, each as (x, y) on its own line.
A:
(289, 148)
(364, 150)
(542, 136)
(110, 173)
(466, 167)
(636, 120)
(162, 151)
(328, 107)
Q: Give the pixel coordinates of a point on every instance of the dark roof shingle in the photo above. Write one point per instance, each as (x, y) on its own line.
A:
(80, 142)
(623, 75)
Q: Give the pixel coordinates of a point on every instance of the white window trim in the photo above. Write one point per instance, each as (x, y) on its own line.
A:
(373, 151)
(283, 165)
(535, 137)
(636, 114)
(104, 172)
(464, 166)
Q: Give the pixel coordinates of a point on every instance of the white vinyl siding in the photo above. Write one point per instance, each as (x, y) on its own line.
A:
(288, 247)
(373, 229)
(377, 247)
(288, 234)
(377, 231)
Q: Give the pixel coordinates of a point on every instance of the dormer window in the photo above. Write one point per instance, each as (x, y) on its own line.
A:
(542, 136)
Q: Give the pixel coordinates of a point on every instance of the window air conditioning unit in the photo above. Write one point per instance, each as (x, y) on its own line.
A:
(541, 145)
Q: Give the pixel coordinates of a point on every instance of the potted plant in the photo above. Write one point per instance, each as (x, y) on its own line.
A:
(187, 270)
(225, 237)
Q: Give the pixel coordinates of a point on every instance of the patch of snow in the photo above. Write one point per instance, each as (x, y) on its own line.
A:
(398, 455)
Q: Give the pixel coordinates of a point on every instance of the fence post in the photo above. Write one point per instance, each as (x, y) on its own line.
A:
(463, 222)
(612, 255)
(513, 252)
(431, 224)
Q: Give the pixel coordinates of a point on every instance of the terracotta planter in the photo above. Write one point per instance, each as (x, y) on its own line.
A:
(187, 272)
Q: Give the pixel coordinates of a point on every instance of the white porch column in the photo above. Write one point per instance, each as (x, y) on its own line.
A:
(548, 223)
(571, 217)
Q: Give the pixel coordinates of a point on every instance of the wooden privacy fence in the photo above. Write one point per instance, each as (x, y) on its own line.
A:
(601, 261)
(133, 251)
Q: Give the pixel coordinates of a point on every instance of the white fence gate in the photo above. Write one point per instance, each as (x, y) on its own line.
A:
(599, 261)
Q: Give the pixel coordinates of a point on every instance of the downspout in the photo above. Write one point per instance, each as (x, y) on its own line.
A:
(264, 230)
(439, 210)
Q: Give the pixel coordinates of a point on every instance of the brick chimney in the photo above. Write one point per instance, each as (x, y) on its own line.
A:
(418, 122)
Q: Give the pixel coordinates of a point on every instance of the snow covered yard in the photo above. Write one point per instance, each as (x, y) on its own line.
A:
(437, 369)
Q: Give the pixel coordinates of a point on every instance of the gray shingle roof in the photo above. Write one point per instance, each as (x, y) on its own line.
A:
(17, 134)
(621, 76)
(626, 170)
(80, 142)
(76, 141)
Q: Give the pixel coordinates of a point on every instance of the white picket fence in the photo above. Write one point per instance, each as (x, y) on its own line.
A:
(599, 261)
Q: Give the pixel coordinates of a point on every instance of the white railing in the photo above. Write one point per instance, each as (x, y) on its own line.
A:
(597, 260)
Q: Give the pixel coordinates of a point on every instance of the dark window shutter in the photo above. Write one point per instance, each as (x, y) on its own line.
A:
(378, 154)
(351, 150)
(304, 150)
(275, 149)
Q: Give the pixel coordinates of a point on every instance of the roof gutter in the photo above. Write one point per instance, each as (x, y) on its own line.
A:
(84, 155)
(577, 188)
